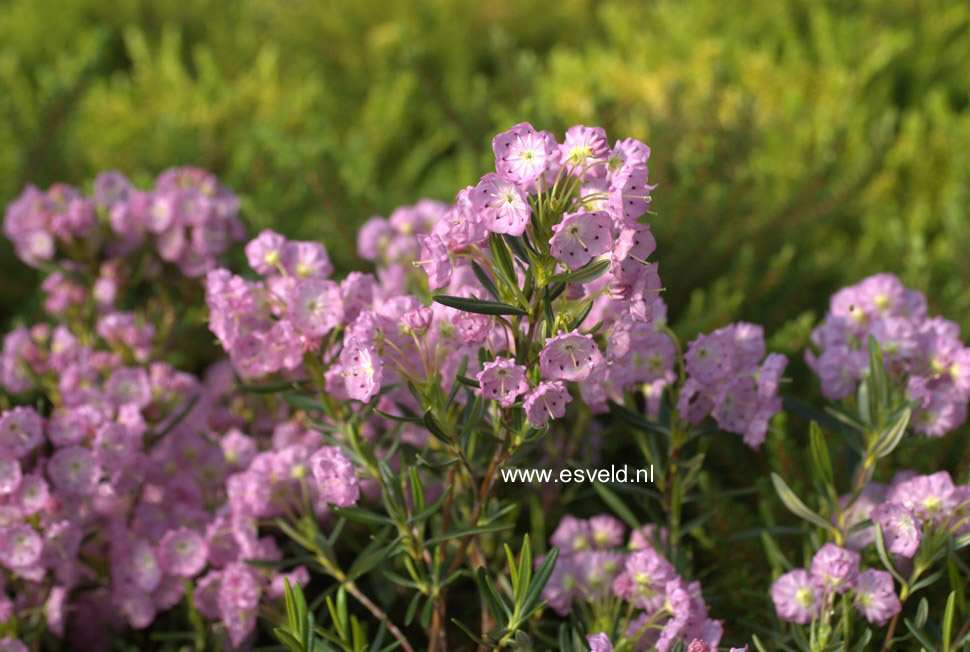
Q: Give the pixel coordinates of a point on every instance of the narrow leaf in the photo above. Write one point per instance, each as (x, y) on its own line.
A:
(478, 306)
(485, 281)
(585, 274)
(616, 504)
(795, 504)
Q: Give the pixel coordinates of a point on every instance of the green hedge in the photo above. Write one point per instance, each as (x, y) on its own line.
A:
(798, 144)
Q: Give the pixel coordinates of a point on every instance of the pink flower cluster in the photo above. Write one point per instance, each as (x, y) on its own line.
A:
(187, 218)
(603, 192)
(591, 569)
(266, 326)
(909, 508)
(601, 643)
(137, 477)
(924, 355)
(802, 596)
(730, 378)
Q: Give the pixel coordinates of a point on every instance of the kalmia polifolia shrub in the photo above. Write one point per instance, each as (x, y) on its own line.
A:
(351, 447)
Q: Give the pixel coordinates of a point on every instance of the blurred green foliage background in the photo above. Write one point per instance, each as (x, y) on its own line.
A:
(798, 144)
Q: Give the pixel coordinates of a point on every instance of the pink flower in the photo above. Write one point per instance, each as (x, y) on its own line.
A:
(630, 194)
(901, 527)
(584, 151)
(876, 598)
(182, 552)
(336, 479)
(502, 205)
(607, 531)
(796, 597)
(644, 579)
(265, 252)
(572, 535)
(561, 587)
(32, 494)
(931, 497)
(20, 546)
(835, 568)
(547, 401)
(569, 356)
(362, 369)
(520, 154)
(74, 470)
(21, 431)
(306, 260)
(502, 380)
(129, 386)
(10, 475)
(315, 306)
(139, 565)
(580, 237)
(436, 261)
(599, 643)
(12, 645)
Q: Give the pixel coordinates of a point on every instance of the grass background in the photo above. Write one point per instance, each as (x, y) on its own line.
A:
(798, 145)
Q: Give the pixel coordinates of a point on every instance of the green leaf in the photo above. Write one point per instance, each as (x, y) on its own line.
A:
(863, 402)
(496, 604)
(272, 388)
(294, 534)
(279, 563)
(375, 645)
(634, 419)
(478, 306)
(371, 557)
(515, 243)
(878, 384)
(863, 641)
(485, 281)
(303, 402)
(524, 572)
(394, 417)
(809, 412)
(581, 316)
(820, 454)
(434, 428)
(342, 614)
(586, 274)
(796, 506)
(539, 580)
(891, 437)
(173, 423)
(358, 515)
(288, 640)
(922, 613)
(468, 531)
(956, 583)
(290, 605)
(513, 567)
(884, 556)
(426, 613)
(417, 489)
(469, 633)
(412, 609)
(470, 382)
(504, 269)
(698, 521)
(948, 621)
(927, 580)
(920, 636)
(616, 504)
